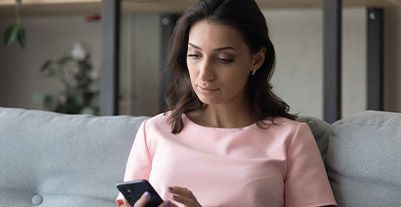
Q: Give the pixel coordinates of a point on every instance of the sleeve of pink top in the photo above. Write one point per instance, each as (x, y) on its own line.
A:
(306, 183)
(139, 161)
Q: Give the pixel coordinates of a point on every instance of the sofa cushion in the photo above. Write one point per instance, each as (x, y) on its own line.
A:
(364, 159)
(62, 160)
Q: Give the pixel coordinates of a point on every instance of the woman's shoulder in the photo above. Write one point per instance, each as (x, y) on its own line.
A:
(283, 122)
(158, 118)
(284, 125)
(158, 121)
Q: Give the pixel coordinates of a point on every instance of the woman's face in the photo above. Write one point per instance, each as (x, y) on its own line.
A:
(219, 63)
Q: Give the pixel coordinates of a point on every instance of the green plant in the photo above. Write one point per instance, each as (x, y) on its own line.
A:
(15, 32)
(79, 83)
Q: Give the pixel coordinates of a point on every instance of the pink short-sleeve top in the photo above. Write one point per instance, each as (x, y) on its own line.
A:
(274, 166)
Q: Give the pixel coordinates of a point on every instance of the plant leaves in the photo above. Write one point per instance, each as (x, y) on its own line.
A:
(64, 60)
(49, 102)
(48, 69)
(87, 110)
(10, 34)
(38, 98)
(21, 37)
(46, 65)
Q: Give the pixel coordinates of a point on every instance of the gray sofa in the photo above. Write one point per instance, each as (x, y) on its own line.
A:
(50, 159)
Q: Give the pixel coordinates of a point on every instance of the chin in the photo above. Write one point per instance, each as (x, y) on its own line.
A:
(210, 101)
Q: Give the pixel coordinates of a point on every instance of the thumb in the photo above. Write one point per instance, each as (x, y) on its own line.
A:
(143, 200)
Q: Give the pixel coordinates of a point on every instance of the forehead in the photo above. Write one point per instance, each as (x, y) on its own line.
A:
(210, 35)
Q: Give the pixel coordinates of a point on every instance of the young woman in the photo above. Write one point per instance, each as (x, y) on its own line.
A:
(226, 139)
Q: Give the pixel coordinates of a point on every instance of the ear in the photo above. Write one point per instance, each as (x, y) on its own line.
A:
(258, 59)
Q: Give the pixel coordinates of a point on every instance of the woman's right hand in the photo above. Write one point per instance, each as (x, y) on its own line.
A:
(145, 198)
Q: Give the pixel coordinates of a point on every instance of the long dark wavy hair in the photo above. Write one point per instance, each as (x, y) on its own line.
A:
(246, 17)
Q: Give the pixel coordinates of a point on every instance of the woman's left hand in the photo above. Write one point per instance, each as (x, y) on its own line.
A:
(184, 196)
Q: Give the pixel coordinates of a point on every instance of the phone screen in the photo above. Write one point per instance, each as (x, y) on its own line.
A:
(133, 190)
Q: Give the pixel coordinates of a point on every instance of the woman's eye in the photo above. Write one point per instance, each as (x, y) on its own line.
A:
(225, 60)
(195, 56)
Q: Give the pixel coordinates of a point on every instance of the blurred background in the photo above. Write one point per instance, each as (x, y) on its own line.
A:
(73, 31)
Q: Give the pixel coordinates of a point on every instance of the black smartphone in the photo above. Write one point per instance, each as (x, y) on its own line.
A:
(133, 190)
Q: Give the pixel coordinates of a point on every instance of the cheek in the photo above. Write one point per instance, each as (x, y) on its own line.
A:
(239, 73)
(237, 80)
(191, 72)
(190, 67)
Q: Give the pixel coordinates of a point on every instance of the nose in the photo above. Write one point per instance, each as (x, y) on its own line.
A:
(206, 71)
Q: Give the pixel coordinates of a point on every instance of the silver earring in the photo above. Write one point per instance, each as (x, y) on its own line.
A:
(253, 71)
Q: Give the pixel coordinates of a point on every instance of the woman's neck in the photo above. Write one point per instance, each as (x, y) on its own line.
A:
(222, 116)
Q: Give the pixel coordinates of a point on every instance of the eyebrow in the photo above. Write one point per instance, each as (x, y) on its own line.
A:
(217, 49)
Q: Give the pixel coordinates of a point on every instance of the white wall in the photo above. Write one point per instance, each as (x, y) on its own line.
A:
(140, 68)
(298, 38)
(354, 79)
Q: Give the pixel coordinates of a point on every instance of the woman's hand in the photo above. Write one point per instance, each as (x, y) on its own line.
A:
(145, 198)
(121, 202)
(184, 196)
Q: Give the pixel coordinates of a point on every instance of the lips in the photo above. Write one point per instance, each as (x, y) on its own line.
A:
(207, 89)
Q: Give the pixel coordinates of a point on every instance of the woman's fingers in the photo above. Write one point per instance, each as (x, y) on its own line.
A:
(121, 202)
(184, 196)
(188, 202)
(143, 200)
(181, 191)
(171, 204)
(167, 204)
